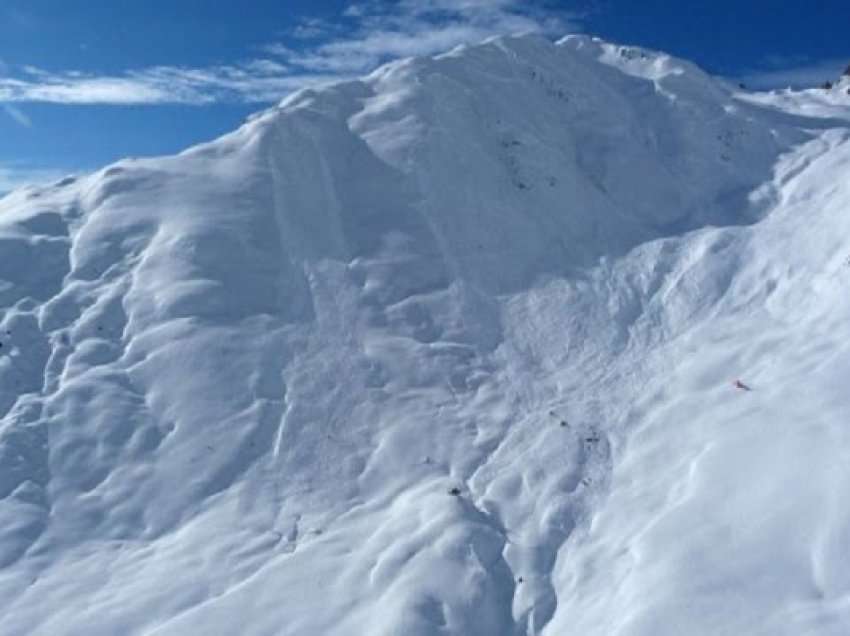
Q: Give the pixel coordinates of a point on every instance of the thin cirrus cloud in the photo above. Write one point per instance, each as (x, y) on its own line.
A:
(416, 27)
(366, 34)
(14, 176)
(17, 115)
(255, 81)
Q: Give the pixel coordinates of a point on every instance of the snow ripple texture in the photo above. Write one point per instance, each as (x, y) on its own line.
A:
(446, 350)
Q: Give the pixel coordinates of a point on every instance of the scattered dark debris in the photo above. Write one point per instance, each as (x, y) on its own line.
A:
(454, 491)
(593, 439)
(561, 421)
(630, 53)
(740, 385)
(519, 579)
(586, 481)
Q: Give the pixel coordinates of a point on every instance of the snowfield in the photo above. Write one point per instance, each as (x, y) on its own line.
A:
(447, 350)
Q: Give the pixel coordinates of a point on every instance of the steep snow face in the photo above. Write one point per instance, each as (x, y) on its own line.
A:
(445, 350)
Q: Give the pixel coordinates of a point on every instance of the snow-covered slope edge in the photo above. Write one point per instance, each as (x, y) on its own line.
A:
(238, 384)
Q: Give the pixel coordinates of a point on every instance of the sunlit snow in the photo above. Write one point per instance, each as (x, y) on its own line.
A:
(447, 350)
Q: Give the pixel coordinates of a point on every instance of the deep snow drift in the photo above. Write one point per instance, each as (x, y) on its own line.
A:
(238, 385)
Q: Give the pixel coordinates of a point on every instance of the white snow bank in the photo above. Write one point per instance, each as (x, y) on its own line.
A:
(239, 386)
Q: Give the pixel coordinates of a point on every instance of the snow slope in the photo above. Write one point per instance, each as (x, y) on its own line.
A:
(238, 384)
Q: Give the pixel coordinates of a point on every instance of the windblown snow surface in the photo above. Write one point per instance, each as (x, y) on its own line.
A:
(239, 385)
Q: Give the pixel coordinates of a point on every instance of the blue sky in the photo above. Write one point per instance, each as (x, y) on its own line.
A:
(86, 82)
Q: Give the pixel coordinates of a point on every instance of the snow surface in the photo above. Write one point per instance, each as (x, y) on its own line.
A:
(238, 385)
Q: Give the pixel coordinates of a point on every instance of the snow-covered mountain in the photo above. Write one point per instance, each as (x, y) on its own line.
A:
(449, 349)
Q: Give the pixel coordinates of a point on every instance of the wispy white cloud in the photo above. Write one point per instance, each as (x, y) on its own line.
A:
(366, 34)
(17, 115)
(419, 27)
(316, 28)
(793, 73)
(13, 176)
(260, 80)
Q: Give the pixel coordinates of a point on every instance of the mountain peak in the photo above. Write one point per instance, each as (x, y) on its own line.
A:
(456, 347)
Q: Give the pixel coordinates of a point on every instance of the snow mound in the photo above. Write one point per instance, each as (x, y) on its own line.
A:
(448, 349)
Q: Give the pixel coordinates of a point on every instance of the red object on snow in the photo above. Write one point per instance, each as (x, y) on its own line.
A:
(740, 385)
